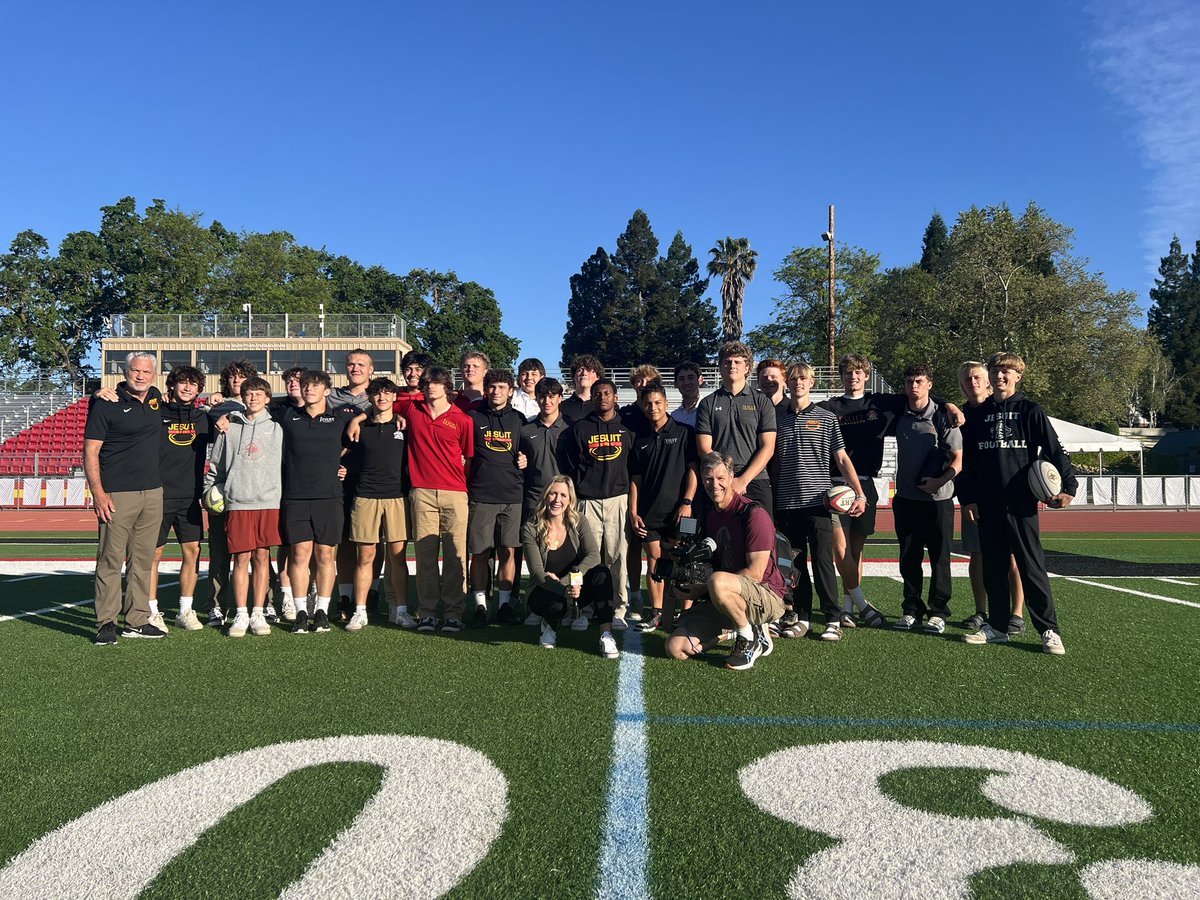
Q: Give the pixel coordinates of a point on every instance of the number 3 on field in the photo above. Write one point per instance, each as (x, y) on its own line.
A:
(436, 814)
(888, 850)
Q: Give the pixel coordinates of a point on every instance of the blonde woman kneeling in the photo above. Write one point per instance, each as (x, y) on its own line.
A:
(557, 544)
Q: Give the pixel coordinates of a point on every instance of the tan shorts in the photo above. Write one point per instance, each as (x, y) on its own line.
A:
(372, 521)
(705, 622)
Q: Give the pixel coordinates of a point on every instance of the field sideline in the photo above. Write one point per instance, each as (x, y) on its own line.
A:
(394, 764)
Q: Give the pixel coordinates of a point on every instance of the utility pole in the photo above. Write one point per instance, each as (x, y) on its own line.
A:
(828, 236)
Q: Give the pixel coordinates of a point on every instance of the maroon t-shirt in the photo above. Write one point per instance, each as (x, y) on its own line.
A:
(725, 527)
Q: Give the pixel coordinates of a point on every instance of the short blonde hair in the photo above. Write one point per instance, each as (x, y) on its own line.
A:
(800, 370)
(1006, 359)
(645, 373)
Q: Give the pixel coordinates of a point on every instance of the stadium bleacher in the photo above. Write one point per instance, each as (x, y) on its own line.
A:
(52, 444)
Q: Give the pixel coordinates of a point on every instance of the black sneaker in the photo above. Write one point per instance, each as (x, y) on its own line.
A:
(345, 609)
(453, 626)
(142, 631)
(650, 621)
(106, 635)
(427, 625)
(745, 652)
(301, 625)
(478, 618)
(320, 621)
(373, 607)
(505, 614)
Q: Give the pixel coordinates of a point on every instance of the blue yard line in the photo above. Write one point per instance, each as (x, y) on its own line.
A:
(987, 724)
(625, 856)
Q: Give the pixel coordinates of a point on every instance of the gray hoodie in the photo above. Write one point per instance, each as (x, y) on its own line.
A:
(247, 461)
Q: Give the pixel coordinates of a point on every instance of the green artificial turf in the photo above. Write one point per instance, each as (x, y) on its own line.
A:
(83, 725)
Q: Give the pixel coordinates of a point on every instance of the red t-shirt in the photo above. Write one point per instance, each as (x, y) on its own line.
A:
(437, 446)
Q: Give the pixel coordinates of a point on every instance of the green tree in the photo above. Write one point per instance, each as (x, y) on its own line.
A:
(592, 310)
(465, 316)
(685, 328)
(1011, 283)
(934, 245)
(1174, 319)
(734, 263)
(799, 324)
(52, 309)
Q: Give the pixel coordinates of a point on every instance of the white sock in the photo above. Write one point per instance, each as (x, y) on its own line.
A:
(323, 604)
(480, 598)
(241, 614)
(403, 607)
(746, 631)
(185, 605)
(345, 590)
(287, 593)
(154, 607)
(360, 608)
(860, 601)
(505, 598)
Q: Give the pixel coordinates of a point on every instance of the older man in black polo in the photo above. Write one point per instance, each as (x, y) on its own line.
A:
(120, 459)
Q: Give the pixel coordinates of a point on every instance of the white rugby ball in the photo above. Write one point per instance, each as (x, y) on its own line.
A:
(839, 498)
(1044, 480)
(214, 500)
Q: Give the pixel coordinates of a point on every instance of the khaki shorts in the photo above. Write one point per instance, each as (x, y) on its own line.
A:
(864, 524)
(705, 622)
(372, 520)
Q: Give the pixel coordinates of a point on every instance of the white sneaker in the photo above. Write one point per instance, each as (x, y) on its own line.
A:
(1052, 643)
(935, 625)
(358, 621)
(549, 639)
(619, 623)
(157, 620)
(289, 609)
(402, 618)
(188, 621)
(608, 646)
(580, 624)
(904, 623)
(241, 622)
(533, 619)
(259, 625)
(986, 635)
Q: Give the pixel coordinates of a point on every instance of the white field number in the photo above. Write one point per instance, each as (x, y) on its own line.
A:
(436, 813)
(888, 851)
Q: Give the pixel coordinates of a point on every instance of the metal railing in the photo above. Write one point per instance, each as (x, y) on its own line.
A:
(254, 325)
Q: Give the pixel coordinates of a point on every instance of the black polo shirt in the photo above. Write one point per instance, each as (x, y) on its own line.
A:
(545, 449)
(575, 409)
(660, 462)
(376, 461)
(129, 429)
(734, 422)
(312, 452)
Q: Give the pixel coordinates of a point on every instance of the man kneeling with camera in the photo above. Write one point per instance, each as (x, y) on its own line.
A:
(745, 590)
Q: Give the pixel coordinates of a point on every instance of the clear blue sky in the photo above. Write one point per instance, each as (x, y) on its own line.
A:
(506, 141)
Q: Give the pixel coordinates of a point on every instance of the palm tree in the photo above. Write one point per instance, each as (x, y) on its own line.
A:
(734, 262)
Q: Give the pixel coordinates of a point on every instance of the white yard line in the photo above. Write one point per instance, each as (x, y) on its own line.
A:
(1124, 590)
(1176, 581)
(625, 856)
(47, 609)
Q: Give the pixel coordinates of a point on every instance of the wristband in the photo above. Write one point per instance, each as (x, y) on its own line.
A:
(685, 502)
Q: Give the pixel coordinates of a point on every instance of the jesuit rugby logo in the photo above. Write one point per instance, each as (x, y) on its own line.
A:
(604, 447)
(497, 441)
(181, 434)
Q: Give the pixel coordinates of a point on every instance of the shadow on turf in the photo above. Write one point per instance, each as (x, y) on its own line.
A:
(78, 622)
(1060, 563)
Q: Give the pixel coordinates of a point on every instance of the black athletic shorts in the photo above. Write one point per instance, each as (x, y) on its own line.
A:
(183, 514)
(659, 533)
(321, 521)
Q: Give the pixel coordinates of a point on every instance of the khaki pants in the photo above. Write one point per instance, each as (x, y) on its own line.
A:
(439, 520)
(608, 517)
(131, 535)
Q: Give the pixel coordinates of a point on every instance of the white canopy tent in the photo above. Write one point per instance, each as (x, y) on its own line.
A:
(1080, 439)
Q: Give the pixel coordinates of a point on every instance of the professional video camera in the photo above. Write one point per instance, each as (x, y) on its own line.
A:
(686, 562)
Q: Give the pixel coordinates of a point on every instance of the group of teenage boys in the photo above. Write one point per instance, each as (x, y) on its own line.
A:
(341, 480)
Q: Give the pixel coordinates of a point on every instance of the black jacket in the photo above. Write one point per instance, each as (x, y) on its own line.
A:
(1001, 439)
